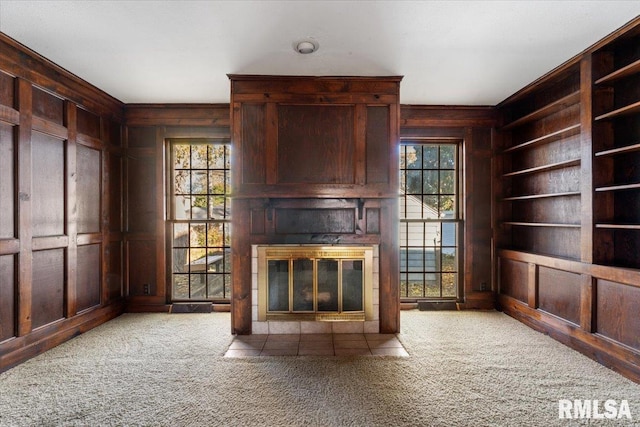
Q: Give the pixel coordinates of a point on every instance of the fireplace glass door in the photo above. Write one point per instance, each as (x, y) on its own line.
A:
(310, 285)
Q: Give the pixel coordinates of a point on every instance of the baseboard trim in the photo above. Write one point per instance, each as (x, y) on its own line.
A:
(19, 349)
(605, 351)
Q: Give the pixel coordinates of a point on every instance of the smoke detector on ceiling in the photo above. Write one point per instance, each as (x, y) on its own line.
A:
(306, 46)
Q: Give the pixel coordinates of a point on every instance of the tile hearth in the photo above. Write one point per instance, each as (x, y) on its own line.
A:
(316, 345)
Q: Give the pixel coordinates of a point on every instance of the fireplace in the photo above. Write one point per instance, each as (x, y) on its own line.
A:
(315, 288)
(315, 204)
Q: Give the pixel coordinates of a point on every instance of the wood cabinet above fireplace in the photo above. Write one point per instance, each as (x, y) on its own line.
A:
(315, 136)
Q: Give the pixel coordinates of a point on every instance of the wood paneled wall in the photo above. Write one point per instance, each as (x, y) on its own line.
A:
(82, 189)
(473, 126)
(148, 127)
(315, 162)
(567, 229)
(60, 198)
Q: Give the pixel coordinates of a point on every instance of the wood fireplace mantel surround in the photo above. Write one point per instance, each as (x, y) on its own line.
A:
(547, 186)
(315, 162)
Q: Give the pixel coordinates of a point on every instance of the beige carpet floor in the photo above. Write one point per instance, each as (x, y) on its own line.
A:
(464, 369)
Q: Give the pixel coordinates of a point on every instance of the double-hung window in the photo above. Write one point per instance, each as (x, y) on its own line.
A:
(430, 224)
(199, 219)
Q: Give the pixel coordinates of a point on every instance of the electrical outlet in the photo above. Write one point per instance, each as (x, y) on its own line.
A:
(483, 286)
(145, 289)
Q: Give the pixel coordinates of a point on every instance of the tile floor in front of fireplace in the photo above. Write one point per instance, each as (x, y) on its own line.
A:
(316, 345)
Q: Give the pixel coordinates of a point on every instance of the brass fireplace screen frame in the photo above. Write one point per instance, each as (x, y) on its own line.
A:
(339, 253)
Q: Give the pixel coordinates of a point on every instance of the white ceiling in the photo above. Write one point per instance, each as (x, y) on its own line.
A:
(449, 52)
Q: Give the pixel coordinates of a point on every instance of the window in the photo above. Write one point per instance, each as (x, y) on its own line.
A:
(429, 220)
(199, 218)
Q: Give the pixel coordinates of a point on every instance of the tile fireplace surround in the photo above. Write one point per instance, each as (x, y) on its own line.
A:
(371, 324)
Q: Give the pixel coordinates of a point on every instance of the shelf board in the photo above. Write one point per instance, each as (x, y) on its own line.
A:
(542, 224)
(571, 130)
(619, 226)
(548, 109)
(628, 70)
(620, 150)
(551, 166)
(619, 187)
(629, 109)
(541, 196)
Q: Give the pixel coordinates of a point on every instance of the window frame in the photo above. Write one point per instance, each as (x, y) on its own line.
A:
(171, 219)
(457, 220)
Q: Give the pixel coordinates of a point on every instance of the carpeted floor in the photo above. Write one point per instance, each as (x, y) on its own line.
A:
(464, 369)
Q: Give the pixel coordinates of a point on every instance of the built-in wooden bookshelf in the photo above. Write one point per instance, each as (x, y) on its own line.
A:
(544, 111)
(550, 137)
(567, 202)
(628, 70)
(547, 167)
(616, 147)
(620, 150)
(540, 168)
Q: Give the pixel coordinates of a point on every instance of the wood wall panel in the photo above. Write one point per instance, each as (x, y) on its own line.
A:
(378, 145)
(7, 90)
(48, 287)
(327, 88)
(254, 164)
(314, 221)
(141, 165)
(317, 165)
(47, 106)
(316, 144)
(88, 123)
(559, 293)
(7, 181)
(113, 133)
(88, 189)
(141, 137)
(114, 270)
(617, 308)
(141, 193)
(142, 268)
(185, 119)
(241, 275)
(389, 267)
(48, 182)
(477, 255)
(7, 297)
(592, 308)
(514, 279)
(373, 221)
(258, 225)
(89, 271)
(472, 128)
(114, 168)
